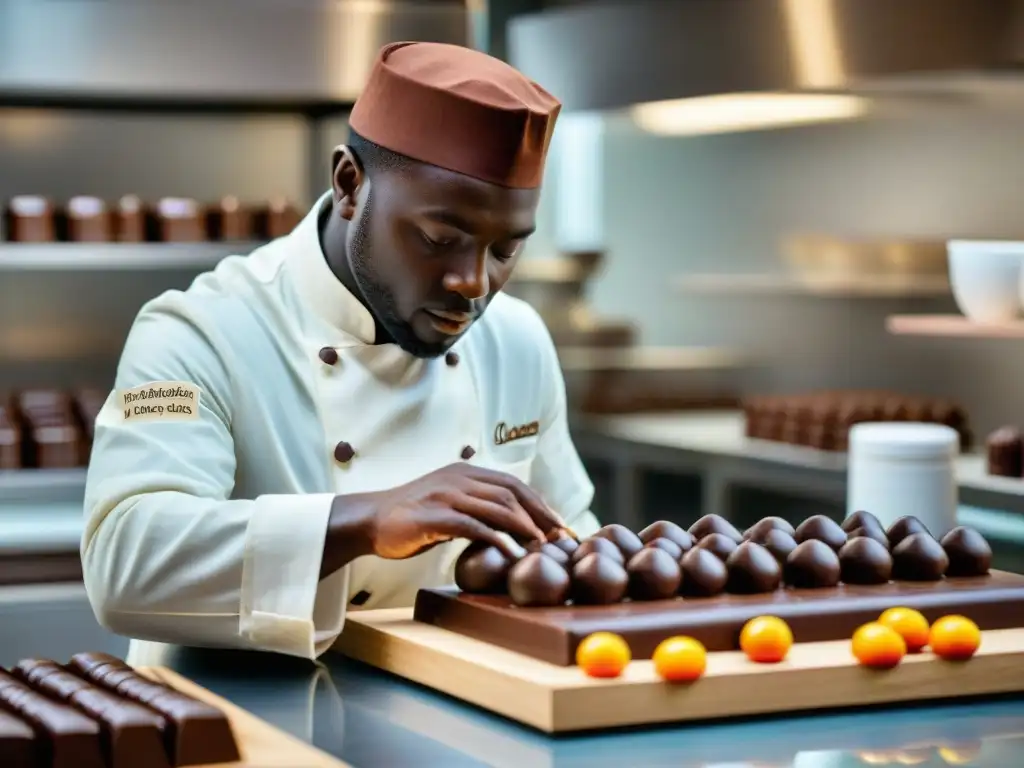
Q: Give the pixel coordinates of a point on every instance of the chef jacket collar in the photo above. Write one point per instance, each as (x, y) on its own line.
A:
(318, 286)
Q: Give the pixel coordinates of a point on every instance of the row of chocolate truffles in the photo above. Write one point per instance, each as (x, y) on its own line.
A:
(712, 557)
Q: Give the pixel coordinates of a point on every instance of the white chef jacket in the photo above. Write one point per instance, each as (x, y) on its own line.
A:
(209, 531)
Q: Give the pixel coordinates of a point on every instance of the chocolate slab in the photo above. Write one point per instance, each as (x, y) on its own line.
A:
(68, 739)
(17, 742)
(133, 735)
(994, 601)
(197, 733)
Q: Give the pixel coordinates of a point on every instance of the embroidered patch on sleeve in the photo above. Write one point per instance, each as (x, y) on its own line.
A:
(160, 401)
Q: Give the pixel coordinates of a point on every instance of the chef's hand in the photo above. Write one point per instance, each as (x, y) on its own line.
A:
(460, 501)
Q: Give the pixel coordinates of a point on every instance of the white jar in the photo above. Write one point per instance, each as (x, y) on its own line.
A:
(904, 468)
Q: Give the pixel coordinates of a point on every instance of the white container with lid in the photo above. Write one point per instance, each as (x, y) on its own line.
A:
(904, 468)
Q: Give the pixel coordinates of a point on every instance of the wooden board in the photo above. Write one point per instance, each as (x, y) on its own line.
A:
(995, 601)
(261, 744)
(558, 699)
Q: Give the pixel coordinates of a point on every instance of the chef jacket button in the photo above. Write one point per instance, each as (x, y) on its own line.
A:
(468, 452)
(362, 597)
(343, 452)
(452, 358)
(329, 355)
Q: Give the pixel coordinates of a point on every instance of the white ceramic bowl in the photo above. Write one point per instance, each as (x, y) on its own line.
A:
(986, 278)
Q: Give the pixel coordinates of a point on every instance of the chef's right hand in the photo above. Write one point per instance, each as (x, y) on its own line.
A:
(460, 501)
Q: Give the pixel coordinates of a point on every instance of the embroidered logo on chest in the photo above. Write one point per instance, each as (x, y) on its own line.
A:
(503, 433)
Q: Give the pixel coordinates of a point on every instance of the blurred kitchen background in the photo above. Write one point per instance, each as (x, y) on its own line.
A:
(744, 198)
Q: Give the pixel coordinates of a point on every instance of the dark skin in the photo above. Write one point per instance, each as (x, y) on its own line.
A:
(409, 242)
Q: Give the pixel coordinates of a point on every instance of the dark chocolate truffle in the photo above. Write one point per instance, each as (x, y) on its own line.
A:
(668, 545)
(870, 532)
(1005, 452)
(821, 528)
(719, 544)
(599, 545)
(864, 560)
(482, 569)
(666, 529)
(557, 554)
(623, 538)
(752, 570)
(704, 574)
(919, 557)
(714, 524)
(761, 527)
(812, 565)
(653, 575)
(537, 580)
(776, 541)
(861, 519)
(566, 543)
(904, 527)
(968, 552)
(598, 580)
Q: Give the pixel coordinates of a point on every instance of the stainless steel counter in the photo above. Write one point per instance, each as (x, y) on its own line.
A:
(368, 718)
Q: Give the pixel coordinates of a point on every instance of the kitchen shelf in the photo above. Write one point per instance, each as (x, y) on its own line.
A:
(41, 486)
(864, 286)
(115, 256)
(953, 325)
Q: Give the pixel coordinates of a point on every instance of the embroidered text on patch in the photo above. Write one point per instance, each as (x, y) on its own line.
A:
(161, 401)
(505, 434)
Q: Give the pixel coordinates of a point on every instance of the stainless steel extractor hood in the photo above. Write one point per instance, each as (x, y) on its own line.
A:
(293, 52)
(609, 55)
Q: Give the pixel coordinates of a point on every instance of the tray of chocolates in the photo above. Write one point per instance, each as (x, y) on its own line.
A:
(823, 420)
(823, 578)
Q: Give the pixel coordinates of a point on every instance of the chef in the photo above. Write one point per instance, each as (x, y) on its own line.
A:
(323, 425)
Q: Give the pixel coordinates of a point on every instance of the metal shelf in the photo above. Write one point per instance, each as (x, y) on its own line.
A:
(42, 486)
(117, 256)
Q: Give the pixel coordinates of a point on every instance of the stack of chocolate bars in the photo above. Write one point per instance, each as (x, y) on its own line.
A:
(47, 429)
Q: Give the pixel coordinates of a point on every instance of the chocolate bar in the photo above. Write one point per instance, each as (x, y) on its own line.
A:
(133, 736)
(69, 739)
(52, 439)
(276, 219)
(179, 220)
(17, 742)
(30, 219)
(197, 733)
(228, 220)
(10, 436)
(87, 220)
(130, 220)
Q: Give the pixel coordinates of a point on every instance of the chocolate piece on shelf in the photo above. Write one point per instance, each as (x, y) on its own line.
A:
(776, 541)
(131, 220)
(229, 220)
(623, 538)
(864, 560)
(30, 219)
(668, 545)
(599, 545)
(18, 745)
(752, 570)
(10, 437)
(537, 580)
(133, 735)
(895, 409)
(197, 733)
(598, 580)
(69, 738)
(949, 413)
(179, 220)
(821, 528)
(276, 219)
(557, 554)
(714, 524)
(812, 565)
(718, 544)
(1004, 450)
(653, 575)
(482, 569)
(766, 524)
(860, 519)
(704, 574)
(88, 220)
(666, 529)
(968, 552)
(903, 527)
(919, 557)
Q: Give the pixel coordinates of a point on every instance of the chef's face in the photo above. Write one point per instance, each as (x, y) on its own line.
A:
(429, 248)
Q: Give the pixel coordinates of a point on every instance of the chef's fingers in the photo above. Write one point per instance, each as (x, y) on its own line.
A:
(485, 502)
(545, 517)
(457, 525)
